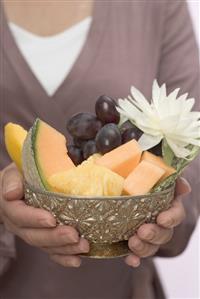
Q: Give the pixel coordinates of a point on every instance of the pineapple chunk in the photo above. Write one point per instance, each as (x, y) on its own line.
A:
(87, 179)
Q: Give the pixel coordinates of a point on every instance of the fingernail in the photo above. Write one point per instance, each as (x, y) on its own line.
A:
(168, 222)
(76, 263)
(149, 235)
(48, 222)
(133, 262)
(84, 247)
(137, 244)
(64, 233)
(72, 238)
(10, 187)
(136, 264)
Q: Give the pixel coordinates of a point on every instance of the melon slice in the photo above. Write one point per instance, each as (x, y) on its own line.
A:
(122, 159)
(147, 156)
(87, 179)
(44, 153)
(50, 152)
(142, 178)
(14, 139)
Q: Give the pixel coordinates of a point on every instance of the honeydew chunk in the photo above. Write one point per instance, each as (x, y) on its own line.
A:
(141, 180)
(122, 159)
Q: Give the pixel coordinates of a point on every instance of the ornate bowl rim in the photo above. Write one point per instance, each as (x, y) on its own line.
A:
(73, 197)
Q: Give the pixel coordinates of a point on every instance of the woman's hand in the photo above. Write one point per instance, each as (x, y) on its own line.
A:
(150, 237)
(37, 227)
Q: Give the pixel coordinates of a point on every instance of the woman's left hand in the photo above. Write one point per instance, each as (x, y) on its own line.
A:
(150, 237)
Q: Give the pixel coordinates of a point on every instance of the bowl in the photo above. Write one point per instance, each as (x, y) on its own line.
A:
(106, 222)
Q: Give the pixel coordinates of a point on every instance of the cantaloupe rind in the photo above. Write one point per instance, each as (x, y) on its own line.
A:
(30, 170)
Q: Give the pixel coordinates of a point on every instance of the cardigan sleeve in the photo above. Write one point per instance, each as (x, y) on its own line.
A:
(7, 249)
(7, 246)
(179, 67)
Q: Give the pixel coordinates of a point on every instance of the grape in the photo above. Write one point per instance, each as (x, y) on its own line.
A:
(89, 149)
(108, 138)
(106, 110)
(125, 126)
(128, 135)
(156, 150)
(75, 154)
(79, 142)
(83, 126)
(132, 133)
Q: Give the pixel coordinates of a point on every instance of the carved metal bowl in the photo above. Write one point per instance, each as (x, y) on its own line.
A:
(106, 222)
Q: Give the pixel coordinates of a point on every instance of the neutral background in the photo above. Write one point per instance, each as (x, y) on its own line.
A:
(181, 275)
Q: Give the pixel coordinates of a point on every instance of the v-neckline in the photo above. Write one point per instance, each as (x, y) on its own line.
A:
(79, 68)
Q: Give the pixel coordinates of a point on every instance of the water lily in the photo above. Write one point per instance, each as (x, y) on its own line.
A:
(165, 117)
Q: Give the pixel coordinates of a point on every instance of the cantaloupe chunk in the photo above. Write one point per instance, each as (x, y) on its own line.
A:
(14, 139)
(147, 156)
(87, 179)
(122, 159)
(50, 152)
(142, 178)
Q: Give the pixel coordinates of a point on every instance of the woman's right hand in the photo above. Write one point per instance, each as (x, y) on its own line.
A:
(35, 226)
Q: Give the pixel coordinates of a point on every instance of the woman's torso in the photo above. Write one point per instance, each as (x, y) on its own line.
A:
(122, 48)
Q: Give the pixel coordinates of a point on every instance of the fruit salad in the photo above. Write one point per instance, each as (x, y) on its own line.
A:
(127, 147)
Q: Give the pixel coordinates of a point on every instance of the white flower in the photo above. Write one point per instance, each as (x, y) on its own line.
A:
(165, 117)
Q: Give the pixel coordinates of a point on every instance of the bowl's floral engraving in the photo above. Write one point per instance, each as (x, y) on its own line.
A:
(102, 220)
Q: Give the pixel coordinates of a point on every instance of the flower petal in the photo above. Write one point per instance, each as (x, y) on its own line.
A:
(130, 110)
(163, 92)
(173, 94)
(180, 152)
(148, 141)
(155, 91)
(122, 120)
(183, 97)
(140, 101)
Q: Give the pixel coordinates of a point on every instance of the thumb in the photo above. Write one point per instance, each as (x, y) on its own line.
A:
(182, 187)
(12, 184)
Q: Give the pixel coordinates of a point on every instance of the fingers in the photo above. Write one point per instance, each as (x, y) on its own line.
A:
(153, 234)
(25, 216)
(81, 247)
(142, 248)
(172, 217)
(148, 239)
(56, 237)
(12, 184)
(66, 261)
(182, 187)
(150, 236)
(132, 260)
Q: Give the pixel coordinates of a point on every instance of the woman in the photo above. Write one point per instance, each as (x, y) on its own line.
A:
(122, 43)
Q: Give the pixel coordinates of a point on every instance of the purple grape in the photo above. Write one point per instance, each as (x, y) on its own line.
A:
(106, 110)
(128, 135)
(75, 154)
(83, 126)
(108, 138)
(89, 149)
(125, 126)
(132, 133)
(156, 150)
(79, 142)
